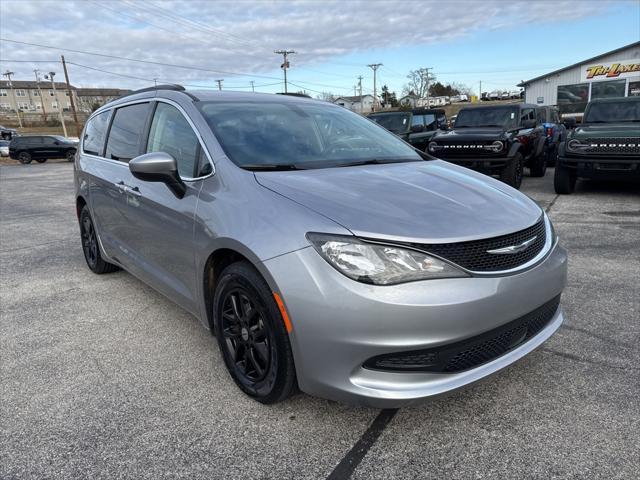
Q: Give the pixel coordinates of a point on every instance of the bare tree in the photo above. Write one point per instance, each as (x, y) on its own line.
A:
(326, 96)
(418, 82)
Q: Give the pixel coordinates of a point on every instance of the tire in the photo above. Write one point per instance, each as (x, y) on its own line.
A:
(513, 172)
(90, 246)
(539, 165)
(41, 160)
(24, 158)
(552, 156)
(70, 155)
(251, 335)
(564, 180)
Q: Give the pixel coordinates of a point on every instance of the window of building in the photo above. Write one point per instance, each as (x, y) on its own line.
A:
(54, 105)
(21, 93)
(171, 133)
(66, 93)
(634, 89)
(35, 93)
(3, 93)
(126, 130)
(610, 89)
(51, 94)
(95, 134)
(23, 105)
(5, 106)
(573, 98)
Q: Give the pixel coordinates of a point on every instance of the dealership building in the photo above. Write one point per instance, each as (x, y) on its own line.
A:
(612, 74)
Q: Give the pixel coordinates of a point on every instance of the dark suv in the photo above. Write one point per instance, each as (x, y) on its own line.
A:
(554, 130)
(606, 145)
(41, 148)
(416, 127)
(497, 140)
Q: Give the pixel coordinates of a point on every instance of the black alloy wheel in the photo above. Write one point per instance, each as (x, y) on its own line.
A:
(252, 336)
(90, 245)
(24, 158)
(512, 174)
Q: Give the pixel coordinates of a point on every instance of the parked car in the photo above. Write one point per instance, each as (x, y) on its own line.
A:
(505, 96)
(41, 148)
(416, 126)
(605, 146)
(494, 95)
(4, 148)
(7, 133)
(554, 129)
(321, 250)
(496, 140)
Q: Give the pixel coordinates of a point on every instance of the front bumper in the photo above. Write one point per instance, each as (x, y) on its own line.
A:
(338, 324)
(603, 166)
(479, 163)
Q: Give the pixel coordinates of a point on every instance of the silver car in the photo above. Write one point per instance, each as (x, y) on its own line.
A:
(323, 252)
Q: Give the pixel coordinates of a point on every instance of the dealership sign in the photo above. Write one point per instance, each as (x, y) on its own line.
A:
(610, 70)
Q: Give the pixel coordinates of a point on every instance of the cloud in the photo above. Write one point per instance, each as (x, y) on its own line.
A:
(240, 36)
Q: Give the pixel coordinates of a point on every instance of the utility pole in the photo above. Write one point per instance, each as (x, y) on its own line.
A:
(480, 92)
(253, 90)
(55, 96)
(15, 101)
(285, 64)
(44, 112)
(360, 92)
(374, 67)
(73, 103)
(219, 82)
(426, 79)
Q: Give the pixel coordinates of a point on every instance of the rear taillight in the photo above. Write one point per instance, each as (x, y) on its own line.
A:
(549, 131)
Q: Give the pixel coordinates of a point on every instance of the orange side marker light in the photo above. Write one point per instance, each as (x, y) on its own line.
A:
(283, 312)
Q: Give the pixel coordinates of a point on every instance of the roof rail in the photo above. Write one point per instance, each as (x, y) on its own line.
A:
(169, 86)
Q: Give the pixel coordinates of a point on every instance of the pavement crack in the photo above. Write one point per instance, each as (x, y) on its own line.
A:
(576, 358)
(603, 338)
(551, 204)
(352, 459)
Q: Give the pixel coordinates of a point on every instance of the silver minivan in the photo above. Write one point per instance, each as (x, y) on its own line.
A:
(323, 252)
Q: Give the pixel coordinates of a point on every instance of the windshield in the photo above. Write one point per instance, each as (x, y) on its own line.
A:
(396, 123)
(613, 112)
(62, 139)
(487, 117)
(301, 135)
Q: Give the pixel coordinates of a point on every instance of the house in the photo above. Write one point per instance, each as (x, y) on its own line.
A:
(32, 96)
(611, 74)
(357, 104)
(92, 98)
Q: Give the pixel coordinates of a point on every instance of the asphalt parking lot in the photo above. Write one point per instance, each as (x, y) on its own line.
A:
(101, 377)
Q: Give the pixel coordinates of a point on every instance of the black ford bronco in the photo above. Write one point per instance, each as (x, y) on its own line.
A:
(415, 126)
(606, 145)
(497, 140)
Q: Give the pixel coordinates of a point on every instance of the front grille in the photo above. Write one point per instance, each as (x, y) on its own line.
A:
(472, 352)
(627, 145)
(470, 149)
(473, 255)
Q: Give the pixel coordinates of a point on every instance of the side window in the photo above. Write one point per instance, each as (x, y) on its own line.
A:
(48, 141)
(126, 130)
(527, 114)
(541, 115)
(95, 133)
(417, 120)
(171, 133)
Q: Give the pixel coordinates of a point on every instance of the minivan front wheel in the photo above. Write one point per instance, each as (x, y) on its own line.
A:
(252, 336)
(90, 246)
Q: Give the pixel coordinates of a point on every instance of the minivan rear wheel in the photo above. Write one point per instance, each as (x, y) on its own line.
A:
(90, 246)
(24, 158)
(252, 336)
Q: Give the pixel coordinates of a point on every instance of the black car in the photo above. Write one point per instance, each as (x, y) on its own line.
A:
(496, 140)
(554, 130)
(415, 126)
(41, 148)
(606, 145)
(7, 133)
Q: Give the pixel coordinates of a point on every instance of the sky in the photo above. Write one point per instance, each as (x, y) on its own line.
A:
(496, 42)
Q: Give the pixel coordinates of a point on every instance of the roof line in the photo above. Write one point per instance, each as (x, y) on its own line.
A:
(631, 45)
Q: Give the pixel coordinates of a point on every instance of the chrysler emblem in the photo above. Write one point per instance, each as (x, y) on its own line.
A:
(513, 248)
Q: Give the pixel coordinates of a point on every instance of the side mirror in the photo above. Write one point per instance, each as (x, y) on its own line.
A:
(417, 128)
(529, 123)
(158, 167)
(569, 122)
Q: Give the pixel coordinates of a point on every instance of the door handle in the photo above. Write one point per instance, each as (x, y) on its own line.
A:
(135, 191)
(120, 186)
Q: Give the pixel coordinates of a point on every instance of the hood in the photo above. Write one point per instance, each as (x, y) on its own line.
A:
(420, 202)
(606, 130)
(470, 134)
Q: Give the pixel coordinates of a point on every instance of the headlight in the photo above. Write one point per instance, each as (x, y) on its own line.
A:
(496, 146)
(577, 145)
(433, 146)
(379, 264)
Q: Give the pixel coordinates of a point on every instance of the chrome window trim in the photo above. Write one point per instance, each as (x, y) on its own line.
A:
(149, 100)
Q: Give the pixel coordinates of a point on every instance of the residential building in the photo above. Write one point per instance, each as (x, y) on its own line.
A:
(356, 103)
(612, 74)
(25, 96)
(92, 98)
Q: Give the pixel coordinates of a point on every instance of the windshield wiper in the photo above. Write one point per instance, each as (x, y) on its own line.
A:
(271, 167)
(377, 161)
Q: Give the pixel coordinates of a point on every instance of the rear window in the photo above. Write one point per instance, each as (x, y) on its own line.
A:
(95, 134)
(126, 131)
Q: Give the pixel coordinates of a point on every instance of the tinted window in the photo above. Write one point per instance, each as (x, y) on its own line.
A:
(430, 121)
(573, 98)
(171, 133)
(527, 114)
(95, 134)
(126, 130)
(49, 141)
(610, 89)
(304, 134)
(487, 117)
(397, 123)
(417, 120)
(623, 111)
